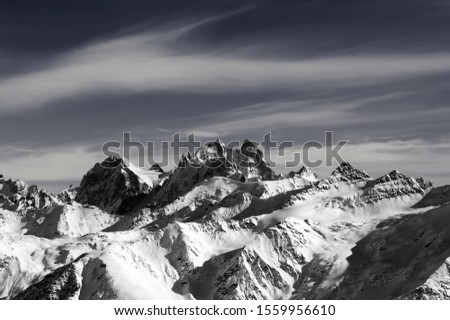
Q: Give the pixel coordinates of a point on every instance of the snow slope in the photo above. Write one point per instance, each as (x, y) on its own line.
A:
(229, 232)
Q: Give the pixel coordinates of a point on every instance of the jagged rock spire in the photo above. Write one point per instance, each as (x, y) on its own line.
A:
(111, 186)
(305, 173)
(346, 171)
(112, 162)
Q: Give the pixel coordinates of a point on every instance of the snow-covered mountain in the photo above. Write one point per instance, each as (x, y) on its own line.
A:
(223, 225)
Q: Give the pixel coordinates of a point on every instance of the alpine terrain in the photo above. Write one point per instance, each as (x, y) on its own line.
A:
(224, 225)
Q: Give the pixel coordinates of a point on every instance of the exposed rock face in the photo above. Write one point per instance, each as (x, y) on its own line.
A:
(15, 195)
(264, 269)
(304, 173)
(62, 284)
(424, 184)
(156, 168)
(215, 160)
(84, 278)
(38, 199)
(68, 195)
(244, 164)
(112, 186)
(222, 225)
(346, 172)
(394, 185)
(14, 187)
(393, 261)
(234, 275)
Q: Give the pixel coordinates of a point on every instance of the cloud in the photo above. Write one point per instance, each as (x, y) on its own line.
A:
(415, 157)
(302, 113)
(188, 78)
(66, 164)
(145, 62)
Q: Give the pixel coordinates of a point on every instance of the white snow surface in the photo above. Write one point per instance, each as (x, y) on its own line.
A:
(222, 239)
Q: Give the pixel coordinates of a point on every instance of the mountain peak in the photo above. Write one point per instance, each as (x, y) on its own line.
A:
(304, 173)
(346, 166)
(305, 170)
(218, 159)
(112, 186)
(156, 168)
(211, 151)
(393, 175)
(424, 184)
(396, 175)
(112, 162)
(12, 187)
(346, 171)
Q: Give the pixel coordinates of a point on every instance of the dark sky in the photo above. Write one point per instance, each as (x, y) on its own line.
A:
(75, 74)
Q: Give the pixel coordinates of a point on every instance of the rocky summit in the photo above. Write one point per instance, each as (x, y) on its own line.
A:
(224, 225)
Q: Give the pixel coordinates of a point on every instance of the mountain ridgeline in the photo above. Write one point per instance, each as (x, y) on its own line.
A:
(224, 225)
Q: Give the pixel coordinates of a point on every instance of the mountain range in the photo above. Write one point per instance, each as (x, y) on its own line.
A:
(224, 225)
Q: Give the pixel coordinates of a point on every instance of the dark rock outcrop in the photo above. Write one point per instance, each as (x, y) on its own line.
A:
(112, 187)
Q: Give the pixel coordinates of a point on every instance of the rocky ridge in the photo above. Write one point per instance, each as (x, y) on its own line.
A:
(218, 227)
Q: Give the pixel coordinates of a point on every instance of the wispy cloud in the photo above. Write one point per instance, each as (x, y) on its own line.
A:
(320, 112)
(186, 76)
(415, 157)
(49, 164)
(144, 62)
